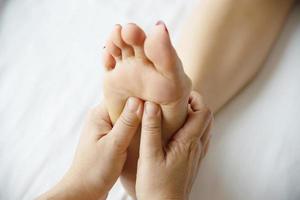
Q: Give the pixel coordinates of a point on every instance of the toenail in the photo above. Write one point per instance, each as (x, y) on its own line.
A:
(118, 25)
(151, 109)
(131, 23)
(160, 22)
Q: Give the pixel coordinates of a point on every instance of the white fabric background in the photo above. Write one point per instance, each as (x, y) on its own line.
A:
(50, 74)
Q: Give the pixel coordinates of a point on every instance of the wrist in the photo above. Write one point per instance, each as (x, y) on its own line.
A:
(64, 190)
(79, 188)
(71, 187)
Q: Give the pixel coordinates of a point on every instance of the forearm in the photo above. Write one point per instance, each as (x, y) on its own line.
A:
(70, 189)
(225, 42)
(61, 192)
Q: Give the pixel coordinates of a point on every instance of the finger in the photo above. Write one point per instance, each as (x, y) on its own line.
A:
(97, 122)
(196, 101)
(198, 120)
(205, 139)
(207, 134)
(206, 147)
(196, 163)
(127, 124)
(151, 138)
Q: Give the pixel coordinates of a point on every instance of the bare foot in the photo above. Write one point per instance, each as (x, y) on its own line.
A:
(147, 68)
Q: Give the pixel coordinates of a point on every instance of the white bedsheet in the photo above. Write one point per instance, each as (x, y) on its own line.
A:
(50, 74)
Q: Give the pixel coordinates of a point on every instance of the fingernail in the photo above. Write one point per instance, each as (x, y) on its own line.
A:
(160, 22)
(151, 109)
(132, 105)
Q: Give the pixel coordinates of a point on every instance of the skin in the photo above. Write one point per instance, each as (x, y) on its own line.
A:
(100, 155)
(219, 63)
(224, 43)
(167, 171)
(147, 68)
(102, 151)
(222, 46)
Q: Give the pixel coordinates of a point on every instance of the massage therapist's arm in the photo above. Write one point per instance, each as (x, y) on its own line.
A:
(100, 155)
(165, 171)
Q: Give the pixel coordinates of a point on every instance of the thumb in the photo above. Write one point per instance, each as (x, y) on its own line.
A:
(127, 124)
(151, 138)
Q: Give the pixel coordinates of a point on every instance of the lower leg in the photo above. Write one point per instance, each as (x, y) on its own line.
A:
(224, 43)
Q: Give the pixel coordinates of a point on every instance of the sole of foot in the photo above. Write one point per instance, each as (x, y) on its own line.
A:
(149, 68)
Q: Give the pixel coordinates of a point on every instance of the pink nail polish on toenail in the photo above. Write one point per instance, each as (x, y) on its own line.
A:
(160, 22)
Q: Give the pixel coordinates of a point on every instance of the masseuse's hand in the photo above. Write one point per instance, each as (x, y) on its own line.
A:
(100, 155)
(167, 172)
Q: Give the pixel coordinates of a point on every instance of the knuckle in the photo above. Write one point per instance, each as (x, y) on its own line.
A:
(195, 95)
(151, 126)
(154, 155)
(187, 143)
(116, 144)
(180, 151)
(95, 116)
(190, 146)
(206, 112)
(183, 146)
(129, 120)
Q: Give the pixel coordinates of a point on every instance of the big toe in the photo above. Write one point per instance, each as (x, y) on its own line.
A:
(134, 36)
(160, 51)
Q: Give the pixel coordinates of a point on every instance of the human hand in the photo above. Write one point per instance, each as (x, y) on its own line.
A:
(168, 172)
(100, 155)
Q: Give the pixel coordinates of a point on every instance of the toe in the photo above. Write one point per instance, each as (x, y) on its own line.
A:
(126, 50)
(113, 50)
(160, 51)
(109, 61)
(134, 36)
